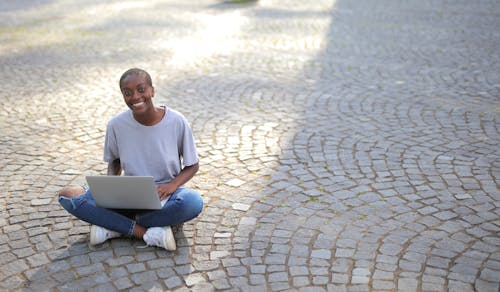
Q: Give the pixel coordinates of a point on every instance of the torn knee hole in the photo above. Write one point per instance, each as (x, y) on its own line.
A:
(71, 191)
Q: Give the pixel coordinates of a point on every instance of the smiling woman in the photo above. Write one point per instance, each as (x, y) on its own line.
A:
(143, 141)
(138, 91)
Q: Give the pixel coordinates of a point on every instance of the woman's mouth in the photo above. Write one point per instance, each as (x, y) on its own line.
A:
(138, 104)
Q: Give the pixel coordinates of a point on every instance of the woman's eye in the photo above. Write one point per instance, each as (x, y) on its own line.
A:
(140, 90)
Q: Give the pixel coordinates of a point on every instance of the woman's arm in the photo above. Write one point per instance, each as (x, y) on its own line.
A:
(114, 167)
(184, 176)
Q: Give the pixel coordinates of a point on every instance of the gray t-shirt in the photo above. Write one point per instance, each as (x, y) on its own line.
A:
(158, 151)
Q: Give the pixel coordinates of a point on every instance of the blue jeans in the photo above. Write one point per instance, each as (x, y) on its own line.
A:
(183, 205)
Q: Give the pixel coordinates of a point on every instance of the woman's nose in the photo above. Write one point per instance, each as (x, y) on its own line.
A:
(135, 94)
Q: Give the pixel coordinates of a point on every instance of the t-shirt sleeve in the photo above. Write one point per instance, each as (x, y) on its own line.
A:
(187, 145)
(110, 145)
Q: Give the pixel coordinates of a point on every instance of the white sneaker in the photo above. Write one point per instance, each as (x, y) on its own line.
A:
(160, 236)
(100, 234)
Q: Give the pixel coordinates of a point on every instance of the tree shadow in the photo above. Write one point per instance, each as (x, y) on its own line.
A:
(122, 262)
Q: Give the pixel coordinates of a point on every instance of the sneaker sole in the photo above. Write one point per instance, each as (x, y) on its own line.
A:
(93, 236)
(169, 239)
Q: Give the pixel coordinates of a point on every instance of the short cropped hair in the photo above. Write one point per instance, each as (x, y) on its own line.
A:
(136, 71)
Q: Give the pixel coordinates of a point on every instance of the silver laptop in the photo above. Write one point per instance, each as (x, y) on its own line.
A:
(124, 192)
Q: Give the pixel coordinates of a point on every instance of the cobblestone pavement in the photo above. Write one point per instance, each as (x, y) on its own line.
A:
(344, 145)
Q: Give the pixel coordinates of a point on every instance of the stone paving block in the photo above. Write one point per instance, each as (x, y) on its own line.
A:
(235, 271)
(278, 277)
(141, 278)
(383, 285)
(405, 284)
(257, 279)
(88, 270)
(119, 261)
(320, 280)
(319, 271)
(194, 279)
(300, 281)
(276, 268)
(235, 182)
(257, 269)
(459, 286)
(321, 253)
(279, 286)
(299, 271)
(489, 275)
(118, 272)
(481, 285)
(344, 253)
(338, 278)
(275, 259)
(123, 283)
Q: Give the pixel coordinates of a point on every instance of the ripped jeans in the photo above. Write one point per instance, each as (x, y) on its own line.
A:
(183, 205)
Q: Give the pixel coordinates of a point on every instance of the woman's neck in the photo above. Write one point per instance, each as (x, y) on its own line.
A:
(152, 117)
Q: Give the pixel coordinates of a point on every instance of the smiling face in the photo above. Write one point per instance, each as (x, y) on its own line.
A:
(137, 93)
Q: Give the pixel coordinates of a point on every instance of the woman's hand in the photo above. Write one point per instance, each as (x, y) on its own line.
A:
(184, 176)
(166, 190)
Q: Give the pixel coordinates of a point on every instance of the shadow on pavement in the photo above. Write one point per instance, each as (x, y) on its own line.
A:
(122, 261)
